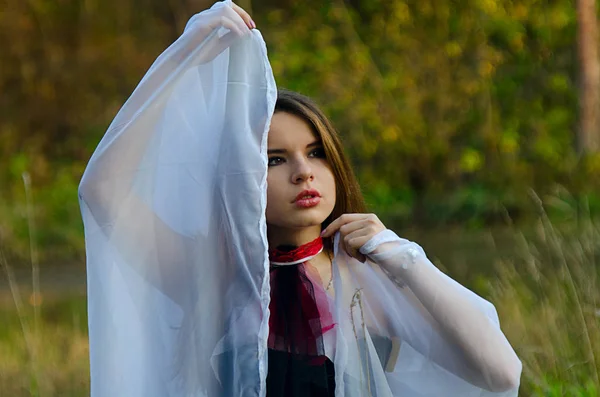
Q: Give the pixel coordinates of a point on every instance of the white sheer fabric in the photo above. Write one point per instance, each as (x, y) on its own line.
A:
(425, 334)
(173, 202)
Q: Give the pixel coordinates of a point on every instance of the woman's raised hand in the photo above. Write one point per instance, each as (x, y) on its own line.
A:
(224, 14)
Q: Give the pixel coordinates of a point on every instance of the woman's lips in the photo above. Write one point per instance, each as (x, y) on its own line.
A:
(308, 193)
(307, 202)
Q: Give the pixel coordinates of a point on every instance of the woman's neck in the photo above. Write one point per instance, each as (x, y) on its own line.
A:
(278, 236)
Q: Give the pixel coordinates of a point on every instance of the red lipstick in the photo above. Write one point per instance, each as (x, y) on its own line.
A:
(308, 198)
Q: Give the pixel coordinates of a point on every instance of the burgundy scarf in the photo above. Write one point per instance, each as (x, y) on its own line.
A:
(299, 311)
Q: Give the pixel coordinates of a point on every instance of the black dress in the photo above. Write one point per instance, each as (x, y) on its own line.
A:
(291, 375)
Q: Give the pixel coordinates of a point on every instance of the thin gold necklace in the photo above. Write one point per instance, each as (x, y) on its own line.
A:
(330, 272)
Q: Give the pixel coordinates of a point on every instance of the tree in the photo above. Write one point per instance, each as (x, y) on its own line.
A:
(588, 139)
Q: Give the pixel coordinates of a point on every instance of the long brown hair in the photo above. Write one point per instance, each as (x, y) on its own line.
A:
(349, 198)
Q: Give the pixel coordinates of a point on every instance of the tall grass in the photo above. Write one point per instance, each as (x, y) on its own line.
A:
(61, 368)
(40, 356)
(29, 335)
(548, 300)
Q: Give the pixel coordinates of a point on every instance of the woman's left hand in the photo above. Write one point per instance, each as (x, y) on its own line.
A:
(355, 231)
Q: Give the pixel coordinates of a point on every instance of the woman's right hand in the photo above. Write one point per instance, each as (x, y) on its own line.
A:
(224, 14)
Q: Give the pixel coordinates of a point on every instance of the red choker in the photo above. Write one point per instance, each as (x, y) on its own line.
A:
(303, 253)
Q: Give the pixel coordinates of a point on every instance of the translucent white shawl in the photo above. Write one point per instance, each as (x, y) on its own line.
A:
(173, 202)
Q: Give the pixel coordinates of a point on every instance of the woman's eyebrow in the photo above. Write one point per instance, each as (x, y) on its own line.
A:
(281, 151)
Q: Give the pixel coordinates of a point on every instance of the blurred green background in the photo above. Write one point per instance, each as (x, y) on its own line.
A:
(472, 125)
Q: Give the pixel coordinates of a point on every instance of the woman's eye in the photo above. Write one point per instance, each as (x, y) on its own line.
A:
(319, 153)
(274, 161)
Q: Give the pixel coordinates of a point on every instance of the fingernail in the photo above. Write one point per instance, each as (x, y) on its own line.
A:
(323, 232)
(252, 24)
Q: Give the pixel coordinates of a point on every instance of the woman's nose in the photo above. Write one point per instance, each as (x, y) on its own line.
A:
(303, 172)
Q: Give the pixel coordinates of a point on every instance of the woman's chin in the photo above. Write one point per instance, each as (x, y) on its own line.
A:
(299, 221)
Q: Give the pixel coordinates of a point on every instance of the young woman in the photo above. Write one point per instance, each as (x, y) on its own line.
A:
(229, 252)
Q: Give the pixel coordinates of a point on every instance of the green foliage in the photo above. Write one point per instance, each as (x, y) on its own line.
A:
(450, 110)
(55, 213)
(434, 96)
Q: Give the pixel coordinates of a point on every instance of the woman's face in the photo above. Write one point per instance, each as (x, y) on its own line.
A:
(297, 163)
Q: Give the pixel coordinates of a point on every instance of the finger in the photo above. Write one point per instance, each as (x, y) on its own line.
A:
(339, 222)
(356, 254)
(353, 226)
(354, 241)
(245, 16)
(231, 25)
(234, 16)
(357, 239)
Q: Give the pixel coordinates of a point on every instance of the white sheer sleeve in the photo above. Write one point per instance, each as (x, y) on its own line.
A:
(425, 334)
(156, 121)
(173, 202)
